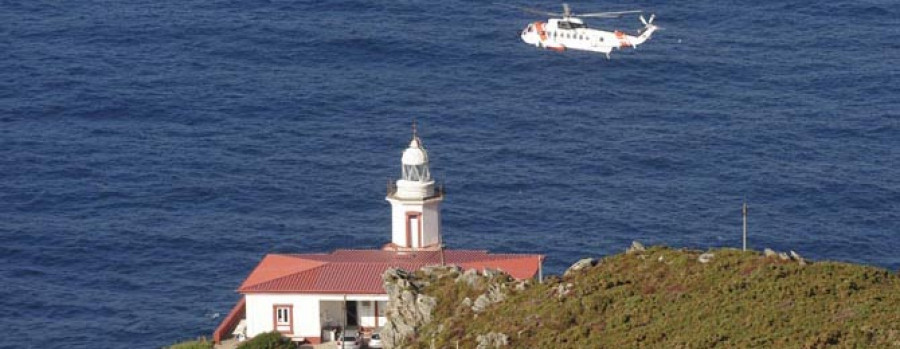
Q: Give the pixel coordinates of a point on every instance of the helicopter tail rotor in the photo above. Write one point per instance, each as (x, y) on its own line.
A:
(648, 23)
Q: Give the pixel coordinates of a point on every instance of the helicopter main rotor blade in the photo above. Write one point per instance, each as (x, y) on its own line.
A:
(529, 10)
(615, 14)
(539, 12)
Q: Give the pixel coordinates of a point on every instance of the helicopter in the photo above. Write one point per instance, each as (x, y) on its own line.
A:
(570, 32)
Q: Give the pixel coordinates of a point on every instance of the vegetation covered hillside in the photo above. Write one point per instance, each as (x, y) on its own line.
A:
(667, 298)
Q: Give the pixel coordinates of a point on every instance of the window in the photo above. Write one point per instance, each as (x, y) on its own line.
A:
(283, 316)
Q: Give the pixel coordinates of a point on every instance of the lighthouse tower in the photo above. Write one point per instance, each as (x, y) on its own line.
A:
(415, 203)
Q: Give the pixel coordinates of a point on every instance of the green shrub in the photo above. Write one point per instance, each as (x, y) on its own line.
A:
(268, 340)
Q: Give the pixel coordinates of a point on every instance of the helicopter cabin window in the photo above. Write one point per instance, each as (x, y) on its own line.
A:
(571, 25)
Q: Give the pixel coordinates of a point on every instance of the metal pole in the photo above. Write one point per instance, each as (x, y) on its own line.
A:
(744, 210)
(344, 325)
(541, 270)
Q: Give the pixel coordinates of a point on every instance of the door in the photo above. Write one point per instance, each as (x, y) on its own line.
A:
(413, 229)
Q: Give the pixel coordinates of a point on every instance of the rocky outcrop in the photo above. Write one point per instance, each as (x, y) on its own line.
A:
(580, 265)
(636, 246)
(470, 277)
(407, 308)
(792, 256)
(706, 257)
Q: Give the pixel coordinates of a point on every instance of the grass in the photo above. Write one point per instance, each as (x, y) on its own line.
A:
(200, 343)
(664, 297)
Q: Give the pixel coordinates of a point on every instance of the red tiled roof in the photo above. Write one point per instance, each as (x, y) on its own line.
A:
(274, 266)
(359, 271)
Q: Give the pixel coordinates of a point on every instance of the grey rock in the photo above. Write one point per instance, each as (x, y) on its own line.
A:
(705, 258)
(407, 310)
(636, 246)
(796, 256)
(563, 290)
(491, 273)
(580, 265)
(522, 285)
(784, 256)
(440, 270)
(481, 303)
(496, 292)
(492, 340)
(768, 252)
(470, 277)
(466, 302)
(425, 307)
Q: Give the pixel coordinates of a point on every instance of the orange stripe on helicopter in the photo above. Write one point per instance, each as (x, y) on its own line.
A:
(623, 41)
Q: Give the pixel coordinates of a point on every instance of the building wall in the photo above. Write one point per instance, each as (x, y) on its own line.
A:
(432, 216)
(260, 313)
(310, 311)
(431, 221)
(398, 221)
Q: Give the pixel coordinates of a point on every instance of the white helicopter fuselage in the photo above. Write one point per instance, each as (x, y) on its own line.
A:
(570, 33)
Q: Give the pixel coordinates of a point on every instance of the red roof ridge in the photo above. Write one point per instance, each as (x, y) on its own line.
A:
(274, 266)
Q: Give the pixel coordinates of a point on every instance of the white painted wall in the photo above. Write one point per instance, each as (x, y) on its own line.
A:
(431, 215)
(305, 317)
(310, 311)
(431, 221)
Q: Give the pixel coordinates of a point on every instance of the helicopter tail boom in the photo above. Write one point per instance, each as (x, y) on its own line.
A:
(646, 32)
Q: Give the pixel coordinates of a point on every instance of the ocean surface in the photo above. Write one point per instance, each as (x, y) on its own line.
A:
(152, 152)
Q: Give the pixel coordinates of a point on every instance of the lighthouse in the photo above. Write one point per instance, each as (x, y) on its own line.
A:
(415, 203)
(306, 296)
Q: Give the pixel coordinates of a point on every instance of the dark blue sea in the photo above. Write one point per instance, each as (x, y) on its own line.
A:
(152, 152)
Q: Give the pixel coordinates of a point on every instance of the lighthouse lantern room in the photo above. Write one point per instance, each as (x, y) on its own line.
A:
(415, 203)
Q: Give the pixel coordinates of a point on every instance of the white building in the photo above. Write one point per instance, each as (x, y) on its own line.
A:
(307, 297)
